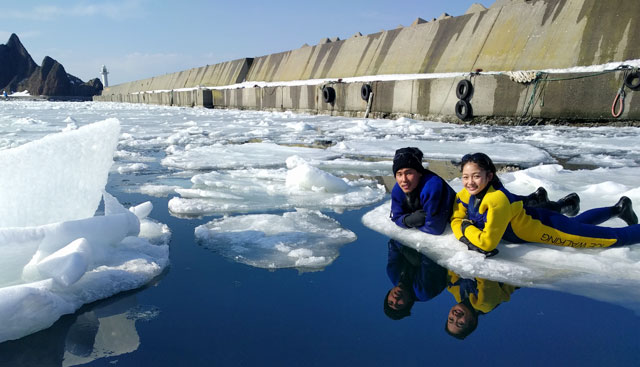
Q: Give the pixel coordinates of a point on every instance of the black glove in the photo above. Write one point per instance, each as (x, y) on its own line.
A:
(415, 219)
(473, 247)
(466, 223)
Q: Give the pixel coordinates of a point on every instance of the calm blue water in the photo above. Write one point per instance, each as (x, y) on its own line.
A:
(206, 310)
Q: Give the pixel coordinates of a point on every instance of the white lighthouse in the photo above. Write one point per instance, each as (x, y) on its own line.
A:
(104, 72)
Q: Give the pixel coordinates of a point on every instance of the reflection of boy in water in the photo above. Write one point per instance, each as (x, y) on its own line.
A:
(475, 297)
(415, 278)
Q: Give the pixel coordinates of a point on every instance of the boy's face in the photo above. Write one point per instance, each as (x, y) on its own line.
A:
(397, 298)
(408, 179)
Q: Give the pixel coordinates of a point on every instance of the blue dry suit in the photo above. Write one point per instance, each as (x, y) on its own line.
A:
(426, 278)
(495, 214)
(433, 195)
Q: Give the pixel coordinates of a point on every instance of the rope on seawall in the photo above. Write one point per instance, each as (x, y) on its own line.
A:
(541, 77)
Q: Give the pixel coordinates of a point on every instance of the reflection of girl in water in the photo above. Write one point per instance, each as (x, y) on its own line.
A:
(486, 212)
(415, 278)
(475, 297)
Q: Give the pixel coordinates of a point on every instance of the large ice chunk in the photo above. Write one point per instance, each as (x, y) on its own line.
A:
(302, 239)
(56, 268)
(57, 178)
(251, 190)
(55, 255)
(241, 156)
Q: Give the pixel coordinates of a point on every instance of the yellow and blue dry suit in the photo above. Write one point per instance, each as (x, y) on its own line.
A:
(482, 220)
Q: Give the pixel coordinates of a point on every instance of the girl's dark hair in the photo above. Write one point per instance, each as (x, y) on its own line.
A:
(483, 161)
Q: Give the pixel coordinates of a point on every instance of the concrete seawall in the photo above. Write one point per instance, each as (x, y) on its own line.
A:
(494, 96)
(512, 35)
(181, 88)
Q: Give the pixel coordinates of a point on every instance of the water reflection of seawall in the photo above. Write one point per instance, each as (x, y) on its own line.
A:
(416, 278)
(103, 329)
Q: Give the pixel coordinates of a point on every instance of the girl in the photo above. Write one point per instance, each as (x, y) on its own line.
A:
(486, 212)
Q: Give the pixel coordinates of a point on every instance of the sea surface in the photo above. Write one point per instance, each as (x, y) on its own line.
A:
(206, 310)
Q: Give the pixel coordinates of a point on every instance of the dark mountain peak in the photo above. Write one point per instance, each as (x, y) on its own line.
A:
(47, 64)
(19, 72)
(16, 46)
(14, 41)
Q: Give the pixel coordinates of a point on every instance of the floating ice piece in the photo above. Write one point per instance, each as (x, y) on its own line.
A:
(156, 190)
(518, 264)
(55, 255)
(57, 178)
(131, 167)
(302, 239)
(252, 190)
(306, 177)
(142, 210)
(256, 155)
(54, 269)
(500, 152)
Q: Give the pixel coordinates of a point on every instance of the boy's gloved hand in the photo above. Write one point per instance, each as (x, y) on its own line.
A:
(415, 219)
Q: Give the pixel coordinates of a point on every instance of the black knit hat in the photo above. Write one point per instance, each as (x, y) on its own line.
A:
(409, 157)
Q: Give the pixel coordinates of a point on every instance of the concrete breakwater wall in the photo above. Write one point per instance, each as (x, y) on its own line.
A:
(184, 88)
(492, 96)
(512, 35)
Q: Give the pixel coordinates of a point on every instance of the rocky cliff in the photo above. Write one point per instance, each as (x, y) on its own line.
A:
(18, 72)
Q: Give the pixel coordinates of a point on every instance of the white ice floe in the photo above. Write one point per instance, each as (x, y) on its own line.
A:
(500, 152)
(55, 254)
(256, 155)
(305, 239)
(131, 167)
(253, 190)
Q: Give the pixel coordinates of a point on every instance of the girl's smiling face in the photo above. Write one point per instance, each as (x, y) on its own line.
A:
(474, 178)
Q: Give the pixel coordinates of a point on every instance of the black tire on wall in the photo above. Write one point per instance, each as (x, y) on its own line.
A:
(365, 91)
(464, 89)
(632, 81)
(328, 94)
(463, 110)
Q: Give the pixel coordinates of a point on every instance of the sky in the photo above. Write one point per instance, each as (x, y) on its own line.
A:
(138, 39)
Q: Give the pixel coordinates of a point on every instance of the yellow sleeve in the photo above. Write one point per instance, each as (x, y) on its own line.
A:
(498, 209)
(459, 212)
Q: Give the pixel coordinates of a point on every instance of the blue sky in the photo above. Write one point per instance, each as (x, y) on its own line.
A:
(137, 39)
